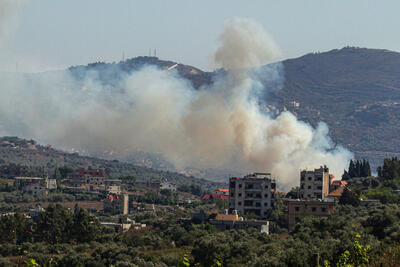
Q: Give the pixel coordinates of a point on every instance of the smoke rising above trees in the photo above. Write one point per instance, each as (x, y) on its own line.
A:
(222, 125)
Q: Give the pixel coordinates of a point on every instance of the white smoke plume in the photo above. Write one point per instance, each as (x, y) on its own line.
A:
(245, 44)
(217, 126)
(9, 10)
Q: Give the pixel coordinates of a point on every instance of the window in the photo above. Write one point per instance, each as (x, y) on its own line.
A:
(258, 204)
(302, 186)
(258, 195)
(309, 187)
(313, 209)
(265, 204)
(240, 194)
(231, 194)
(319, 187)
(323, 209)
(266, 186)
(240, 185)
(239, 203)
(297, 209)
(310, 178)
(248, 203)
(266, 195)
(302, 178)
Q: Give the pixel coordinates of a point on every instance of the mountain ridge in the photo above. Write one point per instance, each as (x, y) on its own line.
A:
(356, 91)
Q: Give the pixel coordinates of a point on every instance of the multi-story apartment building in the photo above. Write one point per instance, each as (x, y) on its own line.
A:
(254, 193)
(314, 184)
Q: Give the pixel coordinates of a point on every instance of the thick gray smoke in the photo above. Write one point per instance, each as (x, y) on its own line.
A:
(219, 126)
(8, 15)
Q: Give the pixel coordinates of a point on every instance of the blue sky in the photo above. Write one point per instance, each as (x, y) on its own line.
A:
(54, 34)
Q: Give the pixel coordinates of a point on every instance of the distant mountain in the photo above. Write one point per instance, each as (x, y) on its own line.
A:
(356, 91)
(111, 72)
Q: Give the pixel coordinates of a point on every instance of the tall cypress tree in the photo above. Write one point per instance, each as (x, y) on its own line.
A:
(352, 169)
(358, 169)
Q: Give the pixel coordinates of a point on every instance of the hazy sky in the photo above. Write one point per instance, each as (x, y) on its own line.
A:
(54, 34)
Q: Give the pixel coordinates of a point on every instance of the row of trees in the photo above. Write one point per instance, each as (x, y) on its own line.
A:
(55, 225)
(390, 169)
(357, 169)
(342, 238)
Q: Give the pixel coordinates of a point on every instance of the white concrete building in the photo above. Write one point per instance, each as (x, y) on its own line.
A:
(168, 185)
(114, 189)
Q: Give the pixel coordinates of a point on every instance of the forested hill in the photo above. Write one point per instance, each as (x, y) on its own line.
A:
(356, 91)
(29, 153)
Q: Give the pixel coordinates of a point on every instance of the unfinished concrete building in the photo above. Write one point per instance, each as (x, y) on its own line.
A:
(296, 209)
(314, 184)
(254, 193)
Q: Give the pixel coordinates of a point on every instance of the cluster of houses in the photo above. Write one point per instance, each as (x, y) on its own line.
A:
(255, 194)
(34, 185)
(91, 181)
(252, 194)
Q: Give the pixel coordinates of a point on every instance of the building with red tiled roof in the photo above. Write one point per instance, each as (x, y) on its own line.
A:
(212, 198)
(337, 192)
(222, 191)
(337, 184)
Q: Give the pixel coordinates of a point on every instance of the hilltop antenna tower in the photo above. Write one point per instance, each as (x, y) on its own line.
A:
(123, 56)
(155, 52)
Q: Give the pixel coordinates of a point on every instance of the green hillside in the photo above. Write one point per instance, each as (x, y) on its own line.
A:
(356, 91)
(29, 153)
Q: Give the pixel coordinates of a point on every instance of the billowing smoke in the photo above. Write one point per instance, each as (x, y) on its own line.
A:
(8, 15)
(245, 44)
(218, 126)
